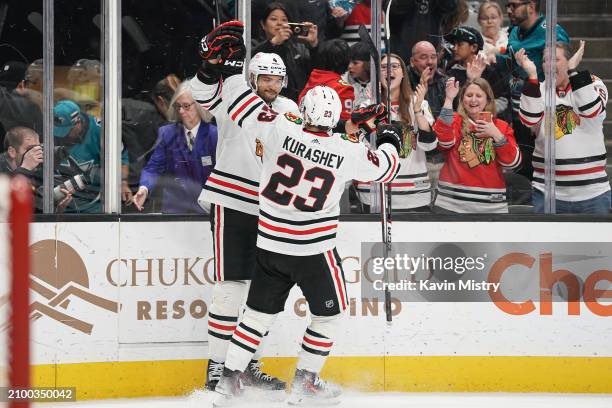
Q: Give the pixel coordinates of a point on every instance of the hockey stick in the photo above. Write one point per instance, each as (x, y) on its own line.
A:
(385, 196)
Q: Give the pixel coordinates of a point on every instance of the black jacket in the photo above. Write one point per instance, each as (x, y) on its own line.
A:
(436, 91)
(412, 21)
(17, 110)
(297, 57)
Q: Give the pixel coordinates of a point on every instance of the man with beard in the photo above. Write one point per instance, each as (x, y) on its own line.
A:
(232, 189)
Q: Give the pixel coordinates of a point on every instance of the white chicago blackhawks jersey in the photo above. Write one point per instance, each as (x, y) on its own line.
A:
(411, 188)
(580, 165)
(234, 182)
(303, 173)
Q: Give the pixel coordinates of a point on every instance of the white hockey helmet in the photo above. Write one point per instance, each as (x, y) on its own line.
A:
(267, 64)
(321, 107)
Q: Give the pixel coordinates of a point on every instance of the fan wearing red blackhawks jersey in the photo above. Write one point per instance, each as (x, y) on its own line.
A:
(581, 182)
(479, 149)
(233, 191)
(305, 168)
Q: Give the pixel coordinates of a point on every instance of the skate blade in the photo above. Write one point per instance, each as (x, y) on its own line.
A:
(223, 400)
(259, 394)
(301, 400)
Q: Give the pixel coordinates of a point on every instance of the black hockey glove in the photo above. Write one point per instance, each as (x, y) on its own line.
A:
(225, 45)
(219, 43)
(389, 134)
(368, 118)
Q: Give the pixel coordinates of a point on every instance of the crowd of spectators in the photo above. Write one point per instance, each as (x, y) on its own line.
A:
(466, 90)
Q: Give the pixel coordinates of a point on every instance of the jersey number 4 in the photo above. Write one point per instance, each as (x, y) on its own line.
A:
(319, 194)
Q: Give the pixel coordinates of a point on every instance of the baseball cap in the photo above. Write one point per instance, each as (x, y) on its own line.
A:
(467, 34)
(11, 74)
(65, 116)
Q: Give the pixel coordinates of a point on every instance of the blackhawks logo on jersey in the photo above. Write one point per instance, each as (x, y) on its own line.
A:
(409, 141)
(343, 82)
(474, 150)
(291, 117)
(567, 121)
(350, 138)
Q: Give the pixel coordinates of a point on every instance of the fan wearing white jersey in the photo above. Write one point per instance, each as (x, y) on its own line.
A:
(581, 182)
(232, 188)
(305, 168)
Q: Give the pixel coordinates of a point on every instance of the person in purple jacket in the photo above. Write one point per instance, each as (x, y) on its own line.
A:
(183, 158)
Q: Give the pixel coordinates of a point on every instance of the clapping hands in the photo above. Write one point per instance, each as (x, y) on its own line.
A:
(524, 62)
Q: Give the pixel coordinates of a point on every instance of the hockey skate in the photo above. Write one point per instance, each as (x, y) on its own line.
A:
(229, 388)
(214, 371)
(262, 386)
(254, 377)
(308, 389)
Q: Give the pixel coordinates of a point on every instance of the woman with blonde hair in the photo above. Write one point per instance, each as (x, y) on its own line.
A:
(490, 18)
(162, 93)
(411, 190)
(183, 158)
(480, 147)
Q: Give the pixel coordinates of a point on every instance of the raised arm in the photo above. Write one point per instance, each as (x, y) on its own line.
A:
(219, 85)
(444, 125)
(531, 111)
(590, 94)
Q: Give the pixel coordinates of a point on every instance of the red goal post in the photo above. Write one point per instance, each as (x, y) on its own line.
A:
(15, 216)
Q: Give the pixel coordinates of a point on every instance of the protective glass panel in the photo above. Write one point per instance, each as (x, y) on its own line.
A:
(77, 110)
(21, 87)
(169, 140)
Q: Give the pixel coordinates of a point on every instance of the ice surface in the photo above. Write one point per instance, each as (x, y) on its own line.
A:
(373, 400)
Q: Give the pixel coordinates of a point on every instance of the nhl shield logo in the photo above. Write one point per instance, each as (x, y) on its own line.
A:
(329, 304)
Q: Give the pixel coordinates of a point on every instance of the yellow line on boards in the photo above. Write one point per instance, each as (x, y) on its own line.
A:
(398, 374)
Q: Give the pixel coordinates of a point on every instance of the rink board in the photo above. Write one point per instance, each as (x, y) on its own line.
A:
(119, 310)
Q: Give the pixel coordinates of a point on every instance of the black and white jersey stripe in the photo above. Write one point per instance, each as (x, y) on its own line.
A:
(471, 199)
(296, 236)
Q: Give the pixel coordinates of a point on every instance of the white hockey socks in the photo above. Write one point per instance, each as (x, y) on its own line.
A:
(317, 342)
(261, 347)
(247, 338)
(227, 298)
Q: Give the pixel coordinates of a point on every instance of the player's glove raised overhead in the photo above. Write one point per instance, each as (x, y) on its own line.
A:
(220, 42)
(368, 118)
(389, 134)
(224, 46)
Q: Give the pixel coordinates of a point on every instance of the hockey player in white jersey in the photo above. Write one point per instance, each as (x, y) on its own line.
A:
(305, 168)
(232, 189)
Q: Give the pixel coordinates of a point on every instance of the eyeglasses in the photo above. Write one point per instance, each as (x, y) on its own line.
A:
(394, 66)
(185, 106)
(489, 18)
(514, 6)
